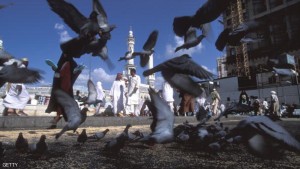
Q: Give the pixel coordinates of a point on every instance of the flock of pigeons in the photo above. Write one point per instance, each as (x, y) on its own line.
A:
(260, 134)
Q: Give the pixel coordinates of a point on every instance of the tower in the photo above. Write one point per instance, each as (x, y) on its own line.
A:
(151, 78)
(130, 43)
(1, 44)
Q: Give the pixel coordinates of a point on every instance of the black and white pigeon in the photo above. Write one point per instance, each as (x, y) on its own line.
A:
(234, 37)
(92, 94)
(208, 12)
(74, 116)
(265, 137)
(163, 121)
(148, 49)
(190, 39)
(83, 26)
(173, 69)
(82, 137)
(98, 135)
(21, 144)
(116, 144)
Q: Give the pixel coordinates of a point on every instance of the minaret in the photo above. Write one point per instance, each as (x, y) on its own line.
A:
(1, 44)
(151, 78)
(130, 43)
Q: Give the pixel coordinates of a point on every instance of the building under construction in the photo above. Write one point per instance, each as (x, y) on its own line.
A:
(276, 44)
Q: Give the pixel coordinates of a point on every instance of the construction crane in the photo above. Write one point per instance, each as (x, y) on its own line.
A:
(242, 61)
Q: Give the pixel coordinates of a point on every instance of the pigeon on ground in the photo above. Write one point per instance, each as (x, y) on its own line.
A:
(163, 121)
(234, 37)
(190, 39)
(75, 117)
(40, 147)
(2, 151)
(264, 137)
(182, 137)
(148, 49)
(82, 137)
(234, 108)
(116, 144)
(208, 12)
(21, 144)
(99, 135)
(172, 68)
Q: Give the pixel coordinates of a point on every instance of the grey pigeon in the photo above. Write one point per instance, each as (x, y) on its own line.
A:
(234, 37)
(127, 56)
(85, 27)
(99, 135)
(21, 144)
(182, 137)
(264, 137)
(148, 49)
(14, 74)
(190, 39)
(92, 94)
(172, 68)
(208, 12)
(75, 117)
(116, 144)
(234, 108)
(163, 120)
(82, 137)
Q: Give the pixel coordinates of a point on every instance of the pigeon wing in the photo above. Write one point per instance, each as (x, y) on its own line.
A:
(92, 95)
(71, 16)
(151, 41)
(13, 74)
(190, 35)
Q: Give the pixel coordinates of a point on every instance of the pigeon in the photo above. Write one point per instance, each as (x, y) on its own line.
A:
(182, 137)
(237, 35)
(148, 49)
(41, 146)
(190, 39)
(85, 27)
(234, 108)
(118, 143)
(264, 137)
(127, 56)
(172, 68)
(203, 115)
(2, 151)
(82, 137)
(21, 144)
(92, 94)
(74, 116)
(163, 121)
(99, 135)
(208, 12)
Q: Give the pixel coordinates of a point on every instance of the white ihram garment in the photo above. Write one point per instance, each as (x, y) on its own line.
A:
(134, 97)
(14, 99)
(117, 92)
(167, 94)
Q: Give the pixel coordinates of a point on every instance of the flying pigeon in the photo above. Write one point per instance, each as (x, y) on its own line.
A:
(173, 69)
(148, 49)
(190, 39)
(163, 120)
(99, 135)
(85, 27)
(82, 137)
(127, 56)
(264, 137)
(92, 94)
(118, 143)
(21, 144)
(75, 117)
(208, 12)
(234, 37)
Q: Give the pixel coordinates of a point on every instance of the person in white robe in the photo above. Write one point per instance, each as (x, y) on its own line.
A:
(133, 93)
(117, 93)
(167, 94)
(16, 97)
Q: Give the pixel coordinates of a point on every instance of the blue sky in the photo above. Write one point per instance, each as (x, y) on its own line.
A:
(30, 29)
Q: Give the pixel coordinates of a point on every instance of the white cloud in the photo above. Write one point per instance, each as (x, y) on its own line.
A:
(178, 41)
(63, 33)
(214, 71)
